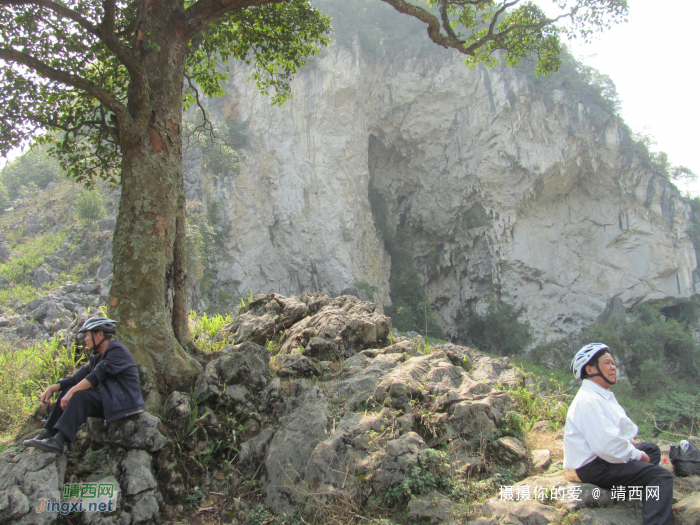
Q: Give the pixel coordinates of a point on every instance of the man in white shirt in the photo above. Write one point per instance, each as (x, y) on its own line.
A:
(599, 438)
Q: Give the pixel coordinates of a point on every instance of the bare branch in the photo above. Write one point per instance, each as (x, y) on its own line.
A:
(46, 71)
(200, 14)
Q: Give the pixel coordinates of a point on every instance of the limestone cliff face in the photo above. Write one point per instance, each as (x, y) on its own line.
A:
(502, 185)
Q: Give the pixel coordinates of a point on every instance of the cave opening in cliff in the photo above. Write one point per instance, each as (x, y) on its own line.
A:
(389, 198)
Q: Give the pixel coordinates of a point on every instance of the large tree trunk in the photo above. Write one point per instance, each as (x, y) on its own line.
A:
(148, 295)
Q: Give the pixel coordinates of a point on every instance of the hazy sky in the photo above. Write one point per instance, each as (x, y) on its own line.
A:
(653, 60)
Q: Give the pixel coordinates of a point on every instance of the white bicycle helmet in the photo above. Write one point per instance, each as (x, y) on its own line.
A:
(584, 355)
(108, 326)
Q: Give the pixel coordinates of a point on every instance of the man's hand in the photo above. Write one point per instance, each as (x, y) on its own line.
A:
(645, 458)
(69, 394)
(83, 385)
(46, 396)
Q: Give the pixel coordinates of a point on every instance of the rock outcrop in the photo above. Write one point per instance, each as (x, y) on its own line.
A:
(501, 184)
(429, 430)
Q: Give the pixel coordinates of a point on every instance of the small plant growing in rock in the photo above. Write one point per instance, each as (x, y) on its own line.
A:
(431, 472)
(258, 516)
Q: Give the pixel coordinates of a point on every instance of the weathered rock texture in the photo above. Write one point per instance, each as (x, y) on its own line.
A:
(502, 185)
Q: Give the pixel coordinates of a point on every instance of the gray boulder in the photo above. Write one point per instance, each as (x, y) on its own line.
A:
(137, 475)
(296, 365)
(177, 410)
(432, 507)
(244, 364)
(347, 324)
(26, 478)
(301, 428)
(135, 432)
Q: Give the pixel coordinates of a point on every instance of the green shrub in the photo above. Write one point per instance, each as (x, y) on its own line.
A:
(90, 206)
(498, 331)
(36, 168)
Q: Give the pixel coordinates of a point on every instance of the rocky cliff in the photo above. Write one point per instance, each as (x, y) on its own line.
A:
(501, 184)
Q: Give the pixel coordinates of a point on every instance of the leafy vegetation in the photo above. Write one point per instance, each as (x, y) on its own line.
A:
(36, 168)
(657, 354)
(24, 375)
(90, 206)
(498, 330)
(204, 329)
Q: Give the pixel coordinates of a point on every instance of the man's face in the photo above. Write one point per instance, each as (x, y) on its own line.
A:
(607, 367)
(93, 339)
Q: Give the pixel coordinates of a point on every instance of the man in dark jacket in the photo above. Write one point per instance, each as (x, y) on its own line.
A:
(108, 388)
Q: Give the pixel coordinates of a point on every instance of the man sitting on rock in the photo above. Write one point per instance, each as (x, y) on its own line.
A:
(599, 438)
(107, 388)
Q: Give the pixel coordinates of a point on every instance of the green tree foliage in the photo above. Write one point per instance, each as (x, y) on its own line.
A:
(498, 330)
(90, 206)
(36, 166)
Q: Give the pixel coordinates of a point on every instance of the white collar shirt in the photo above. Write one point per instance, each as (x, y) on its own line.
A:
(596, 425)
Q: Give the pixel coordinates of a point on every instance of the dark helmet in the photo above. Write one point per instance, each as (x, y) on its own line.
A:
(108, 326)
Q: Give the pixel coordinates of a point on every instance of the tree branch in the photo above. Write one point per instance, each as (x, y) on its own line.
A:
(104, 31)
(446, 20)
(433, 25)
(46, 71)
(58, 9)
(197, 16)
(107, 35)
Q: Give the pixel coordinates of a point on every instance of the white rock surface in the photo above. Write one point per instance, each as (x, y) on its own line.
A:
(522, 190)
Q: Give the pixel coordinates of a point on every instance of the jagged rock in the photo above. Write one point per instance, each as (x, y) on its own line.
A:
(432, 507)
(253, 451)
(135, 432)
(541, 459)
(463, 458)
(400, 456)
(177, 410)
(145, 507)
(296, 365)
(30, 475)
(527, 512)
(301, 428)
(42, 275)
(106, 517)
(263, 317)
(244, 364)
(48, 311)
(13, 504)
(687, 511)
(137, 475)
(509, 450)
(346, 323)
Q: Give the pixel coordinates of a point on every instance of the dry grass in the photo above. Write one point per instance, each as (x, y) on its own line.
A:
(546, 439)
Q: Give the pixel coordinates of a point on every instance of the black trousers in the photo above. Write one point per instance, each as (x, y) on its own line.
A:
(83, 404)
(635, 474)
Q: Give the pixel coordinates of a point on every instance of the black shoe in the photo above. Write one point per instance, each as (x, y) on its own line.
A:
(47, 433)
(54, 444)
